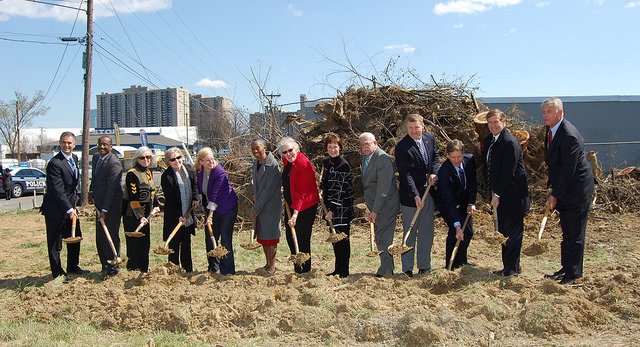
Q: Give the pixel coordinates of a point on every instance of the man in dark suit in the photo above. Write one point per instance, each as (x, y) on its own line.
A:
(418, 161)
(59, 205)
(381, 197)
(458, 189)
(571, 181)
(106, 193)
(504, 169)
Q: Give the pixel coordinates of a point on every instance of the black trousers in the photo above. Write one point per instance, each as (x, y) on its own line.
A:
(181, 246)
(105, 253)
(461, 254)
(304, 226)
(574, 226)
(342, 251)
(138, 247)
(513, 229)
(57, 229)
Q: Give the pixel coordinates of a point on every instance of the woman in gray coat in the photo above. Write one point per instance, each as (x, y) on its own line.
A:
(267, 206)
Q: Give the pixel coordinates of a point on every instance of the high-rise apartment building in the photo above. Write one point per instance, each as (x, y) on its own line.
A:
(141, 106)
(205, 109)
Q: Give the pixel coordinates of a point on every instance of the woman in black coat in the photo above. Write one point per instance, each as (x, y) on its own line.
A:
(6, 183)
(180, 193)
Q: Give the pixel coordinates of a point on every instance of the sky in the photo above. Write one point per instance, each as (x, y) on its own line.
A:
(505, 48)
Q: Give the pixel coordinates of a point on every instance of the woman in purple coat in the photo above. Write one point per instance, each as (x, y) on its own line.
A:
(221, 206)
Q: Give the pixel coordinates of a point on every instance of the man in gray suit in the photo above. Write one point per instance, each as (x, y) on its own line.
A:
(381, 197)
(106, 193)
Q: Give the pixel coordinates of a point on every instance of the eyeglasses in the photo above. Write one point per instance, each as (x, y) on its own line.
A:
(290, 150)
(147, 157)
(176, 158)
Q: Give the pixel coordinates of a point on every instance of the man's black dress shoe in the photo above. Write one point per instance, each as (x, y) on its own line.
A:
(79, 271)
(332, 274)
(379, 275)
(498, 272)
(558, 275)
(470, 263)
(567, 280)
(409, 273)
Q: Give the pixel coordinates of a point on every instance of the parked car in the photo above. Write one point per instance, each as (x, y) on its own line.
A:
(26, 180)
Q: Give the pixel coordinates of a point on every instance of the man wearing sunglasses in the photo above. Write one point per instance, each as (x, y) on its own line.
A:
(106, 193)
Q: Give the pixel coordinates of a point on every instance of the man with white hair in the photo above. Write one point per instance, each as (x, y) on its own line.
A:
(571, 181)
(381, 197)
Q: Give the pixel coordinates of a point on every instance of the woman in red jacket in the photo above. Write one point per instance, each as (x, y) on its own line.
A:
(301, 194)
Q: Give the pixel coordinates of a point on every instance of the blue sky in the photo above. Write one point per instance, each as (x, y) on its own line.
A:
(511, 47)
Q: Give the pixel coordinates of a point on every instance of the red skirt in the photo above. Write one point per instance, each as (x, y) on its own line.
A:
(268, 242)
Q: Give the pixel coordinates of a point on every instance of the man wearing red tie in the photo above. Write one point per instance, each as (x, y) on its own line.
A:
(571, 181)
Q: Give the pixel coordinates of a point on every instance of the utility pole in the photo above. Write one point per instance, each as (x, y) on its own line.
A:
(18, 127)
(86, 116)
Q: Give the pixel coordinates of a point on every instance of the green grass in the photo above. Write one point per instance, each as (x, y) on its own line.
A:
(33, 245)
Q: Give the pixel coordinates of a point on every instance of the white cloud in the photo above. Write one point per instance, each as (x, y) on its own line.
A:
(543, 3)
(294, 10)
(207, 82)
(511, 32)
(15, 8)
(458, 26)
(632, 4)
(470, 6)
(404, 47)
(598, 2)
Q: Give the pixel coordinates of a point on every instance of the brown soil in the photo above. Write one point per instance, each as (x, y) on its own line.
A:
(469, 306)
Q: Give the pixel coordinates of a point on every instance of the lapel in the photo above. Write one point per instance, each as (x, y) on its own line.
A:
(372, 160)
(562, 130)
(65, 164)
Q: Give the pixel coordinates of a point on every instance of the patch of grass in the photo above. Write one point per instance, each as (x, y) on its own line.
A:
(22, 285)
(598, 254)
(32, 245)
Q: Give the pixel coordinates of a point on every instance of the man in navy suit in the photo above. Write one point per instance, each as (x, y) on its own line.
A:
(504, 169)
(106, 193)
(458, 189)
(571, 181)
(418, 161)
(59, 206)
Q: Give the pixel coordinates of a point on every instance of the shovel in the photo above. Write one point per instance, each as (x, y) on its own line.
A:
(297, 258)
(137, 233)
(217, 251)
(166, 250)
(334, 237)
(116, 260)
(251, 245)
(539, 246)
(455, 248)
(544, 220)
(398, 250)
(373, 252)
(73, 238)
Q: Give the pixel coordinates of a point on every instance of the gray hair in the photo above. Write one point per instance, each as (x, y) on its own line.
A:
(455, 145)
(553, 101)
(139, 152)
(286, 140)
(259, 141)
(367, 135)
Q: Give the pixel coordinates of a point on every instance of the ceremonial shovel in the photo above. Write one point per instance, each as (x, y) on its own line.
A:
(373, 252)
(73, 238)
(137, 233)
(217, 251)
(455, 249)
(251, 245)
(544, 221)
(398, 250)
(116, 259)
(298, 258)
(166, 250)
(334, 237)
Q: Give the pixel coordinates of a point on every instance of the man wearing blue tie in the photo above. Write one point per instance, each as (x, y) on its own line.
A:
(418, 162)
(59, 206)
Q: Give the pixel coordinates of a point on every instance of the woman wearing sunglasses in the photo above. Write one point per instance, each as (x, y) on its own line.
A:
(180, 193)
(301, 194)
(221, 206)
(137, 203)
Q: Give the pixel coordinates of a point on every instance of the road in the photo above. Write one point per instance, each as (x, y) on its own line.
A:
(25, 203)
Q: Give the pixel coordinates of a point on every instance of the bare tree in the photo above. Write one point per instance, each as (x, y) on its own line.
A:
(18, 114)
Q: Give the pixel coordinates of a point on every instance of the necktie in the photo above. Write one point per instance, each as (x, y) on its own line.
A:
(98, 165)
(463, 180)
(73, 167)
(493, 140)
(366, 163)
(550, 138)
(423, 153)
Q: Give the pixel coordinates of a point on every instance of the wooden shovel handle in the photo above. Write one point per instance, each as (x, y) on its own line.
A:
(175, 230)
(106, 233)
(213, 239)
(547, 209)
(73, 225)
(455, 248)
(293, 229)
(372, 229)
